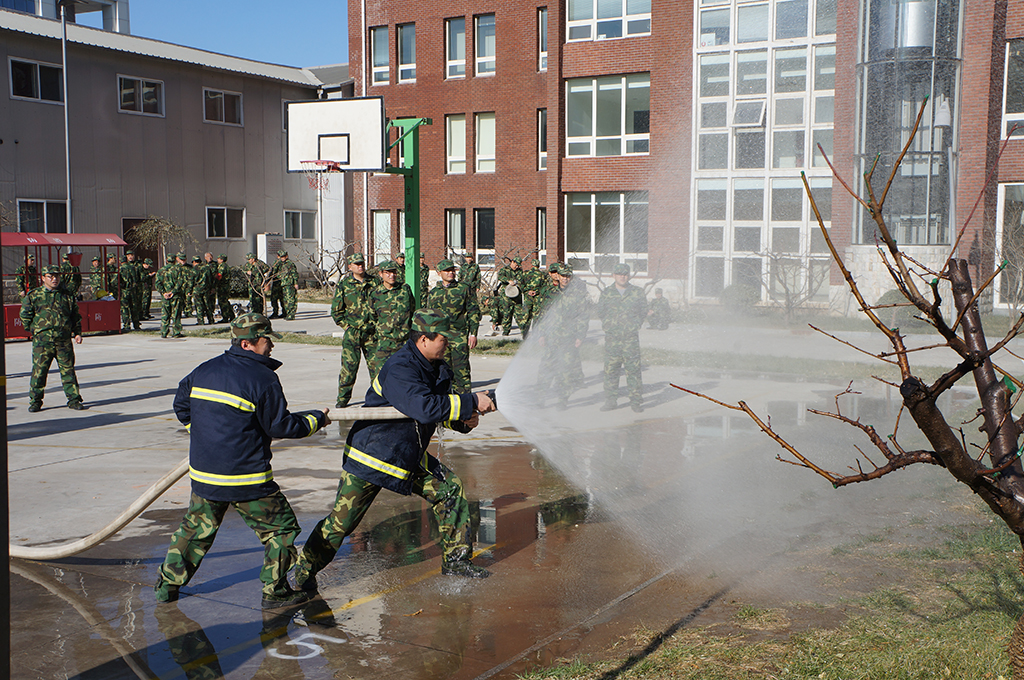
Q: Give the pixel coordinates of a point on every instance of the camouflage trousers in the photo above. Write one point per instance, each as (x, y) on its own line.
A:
(271, 517)
(130, 304)
(170, 315)
(204, 312)
(506, 310)
(44, 351)
(255, 301)
(227, 312)
(443, 490)
(147, 300)
(622, 353)
(457, 356)
(524, 315)
(383, 350)
(289, 302)
(277, 299)
(356, 342)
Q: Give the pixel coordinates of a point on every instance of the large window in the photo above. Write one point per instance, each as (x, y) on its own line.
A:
(34, 80)
(455, 132)
(606, 228)
(225, 223)
(406, 53)
(300, 224)
(381, 56)
(486, 59)
(141, 96)
(1010, 237)
(608, 116)
(483, 226)
(604, 19)
(455, 229)
(39, 217)
(485, 142)
(455, 49)
(222, 107)
(381, 235)
(1013, 97)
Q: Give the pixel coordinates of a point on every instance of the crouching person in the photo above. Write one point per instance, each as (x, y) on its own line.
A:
(391, 454)
(233, 405)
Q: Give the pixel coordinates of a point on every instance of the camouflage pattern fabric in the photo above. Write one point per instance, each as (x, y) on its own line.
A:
(506, 305)
(530, 281)
(256, 274)
(622, 314)
(662, 314)
(170, 279)
(276, 290)
(223, 290)
(202, 286)
(469, 274)
(71, 278)
(97, 279)
(391, 313)
(53, 318)
(27, 278)
(350, 310)
(131, 284)
(271, 517)
(561, 367)
(148, 282)
(458, 304)
(288, 275)
(547, 291)
(444, 492)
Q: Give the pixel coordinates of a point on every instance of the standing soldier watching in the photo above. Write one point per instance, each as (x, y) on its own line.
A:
(350, 310)
(661, 312)
(130, 281)
(400, 261)
(275, 289)
(531, 281)
(202, 284)
(565, 332)
(457, 303)
(148, 279)
(111, 277)
(135, 289)
(391, 308)
(507, 275)
(287, 277)
(26, 276)
(211, 294)
(223, 276)
(256, 274)
(233, 406)
(424, 274)
(623, 309)
(51, 316)
(96, 278)
(469, 272)
(71, 276)
(170, 283)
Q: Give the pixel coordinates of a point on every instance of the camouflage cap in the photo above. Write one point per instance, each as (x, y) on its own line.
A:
(659, 291)
(402, 256)
(565, 269)
(65, 256)
(148, 260)
(112, 256)
(223, 256)
(429, 320)
(129, 252)
(282, 253)
(52, 269)
(250, 256)
(388, 266)
(355, 258)
(170, 258)
(179, 256)
(252, 326)
(30, 256)
(445, 265)
(97, 258)
(621, 268)
(196, 258)
(517, 260)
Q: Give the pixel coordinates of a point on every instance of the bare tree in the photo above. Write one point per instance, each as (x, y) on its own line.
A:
(160, 233)
(793, 281)
(992, 471)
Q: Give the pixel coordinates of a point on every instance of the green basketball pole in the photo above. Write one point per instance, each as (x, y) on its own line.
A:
(410, 170)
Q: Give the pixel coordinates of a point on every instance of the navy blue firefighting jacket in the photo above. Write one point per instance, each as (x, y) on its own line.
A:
(389, 453)
(233, 405)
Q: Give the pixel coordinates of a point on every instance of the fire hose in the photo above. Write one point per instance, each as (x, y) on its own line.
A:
(57, 552)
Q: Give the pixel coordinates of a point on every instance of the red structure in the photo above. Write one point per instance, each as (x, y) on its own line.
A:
(97, 315)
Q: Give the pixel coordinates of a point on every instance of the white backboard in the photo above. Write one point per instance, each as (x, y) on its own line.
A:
(350, 132)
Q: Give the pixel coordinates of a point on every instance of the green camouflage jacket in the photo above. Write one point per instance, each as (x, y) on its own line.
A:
(223, 275)
(71, 277)
(131, 275)
(256, 273)
(27, 278)
(50, 314)
(570, 312)
(286, 272)
(172, 278)
(350, 307)
(391, 312)
(469, 274)
(202, 279)
(458, 303)
(622, 313)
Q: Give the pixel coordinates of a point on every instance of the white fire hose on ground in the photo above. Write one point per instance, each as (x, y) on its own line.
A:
(58, 552)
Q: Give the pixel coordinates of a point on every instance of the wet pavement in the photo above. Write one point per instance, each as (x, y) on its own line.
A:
(570, 573)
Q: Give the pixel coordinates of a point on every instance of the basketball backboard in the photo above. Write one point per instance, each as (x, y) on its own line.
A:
(350, 132)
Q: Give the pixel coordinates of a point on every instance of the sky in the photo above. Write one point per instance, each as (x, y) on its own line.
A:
(289, 32)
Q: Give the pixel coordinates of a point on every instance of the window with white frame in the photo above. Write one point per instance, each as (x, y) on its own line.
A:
(225, 222)
(1013, 90)
(300, 224)
(606, 228)
(605, 19)
(542, 236)
(484, 229)
(485, 142)
(141, 96)
(542, 39)
(36, 80)
(1010, 237)
(406, 53)
(222, 107)
(455, 132)
(542, 139)
(42, 217)
(455, 229)
(455, 48)
(381, 235)
(608, 116)
(485, 45)
(380, 51)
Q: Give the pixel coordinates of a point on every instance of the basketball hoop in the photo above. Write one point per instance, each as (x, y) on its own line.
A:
(316, 173)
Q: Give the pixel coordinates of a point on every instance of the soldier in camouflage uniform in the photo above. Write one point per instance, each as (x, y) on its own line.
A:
(211, 293)
(546, 291)
(660, 313)
(233, 405)
(223, 276)
(51, 315)
(130, 281)
(350, 310)
(469, 272)
(276, 289)
(96, 276)
(424, 274)
(112, 277)
(509, 274)
(71, 276)
(532, 282)
(148, 279)
(287, 275)
(26, 276)
(400, 262)
(564, 333)
(623, 309)
(456, 302)
(202, 284)
(256, 272)
(172, 284)
(136, 289)
(391, 308)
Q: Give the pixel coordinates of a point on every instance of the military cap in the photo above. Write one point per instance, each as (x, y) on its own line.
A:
(52, 269)
(250, 256)
(170, 258)
(402, 255)
(64, 256)
(129, 252)
(196, 258)
(658, 290)
(223, 256)
(32, 257)
(427, 320)
(445, 265)
(282, 253)
(388, 266)
(96, 259)
(112, 256)
(355, 258)
(179, 256)
(517, 260)
(148, 260)
(564, 269)
(621, 268)
(252, 326)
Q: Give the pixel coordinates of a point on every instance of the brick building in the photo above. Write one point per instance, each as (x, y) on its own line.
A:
(672, 136)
